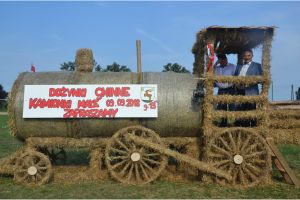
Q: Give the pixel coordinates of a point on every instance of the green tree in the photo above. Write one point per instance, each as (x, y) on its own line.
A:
(70, 66)
(3, 95)
(115, 67)
(97, 66)
(175, 68)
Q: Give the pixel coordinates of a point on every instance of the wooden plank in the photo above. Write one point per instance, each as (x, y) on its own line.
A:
(282, 171)
(282, 164)
(139, 62)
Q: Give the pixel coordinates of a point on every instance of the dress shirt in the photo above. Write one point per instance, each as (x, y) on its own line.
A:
(245, 69)
(227, 70)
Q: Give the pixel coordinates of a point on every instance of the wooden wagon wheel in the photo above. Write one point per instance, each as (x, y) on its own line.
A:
(33, 168)
(131, 163)
(243, 154)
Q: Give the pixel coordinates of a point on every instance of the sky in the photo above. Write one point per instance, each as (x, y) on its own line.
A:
(48, 34)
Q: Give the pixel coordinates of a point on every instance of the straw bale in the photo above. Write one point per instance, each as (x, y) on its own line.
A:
(237, 99)
(240, 80)
(266, 53)
(284, 114)
(62, 142)
(67, 174)
(84, 60)
(285, 124)
(7, 164)
(233, 39)
(10, 108)
(286, 136)
(198, 65)
(96, 159)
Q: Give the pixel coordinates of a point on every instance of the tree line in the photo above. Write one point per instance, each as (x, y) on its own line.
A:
(115, 67)
(3, 95)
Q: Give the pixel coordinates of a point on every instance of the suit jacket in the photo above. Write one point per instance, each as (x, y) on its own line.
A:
(253, 70)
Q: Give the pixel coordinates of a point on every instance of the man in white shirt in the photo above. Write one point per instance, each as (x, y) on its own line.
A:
(223, 68)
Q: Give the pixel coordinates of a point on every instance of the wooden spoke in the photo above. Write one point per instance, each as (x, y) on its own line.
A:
(122, 145)
(253, 155)
(220, 163)
(147, 166)
(151, 161)
(251, 148)
(119, 151)
(239, 140)
(253, 169)
(144, 171)
(39, 177)
(225, 144)
(241, 175)
(151, 154)
(220, 150)
(234, 177)
(33, 159)
(130, 173)
(134, 170)
(232, 142)
(118, 157)
(128, 164)
(245, 143)
(137, 173)
(247, 162)
(119, 164)
(250, 174)
(42, 168)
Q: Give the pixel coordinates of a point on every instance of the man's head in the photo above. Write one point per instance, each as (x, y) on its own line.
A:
(247, 56)
(222, 58)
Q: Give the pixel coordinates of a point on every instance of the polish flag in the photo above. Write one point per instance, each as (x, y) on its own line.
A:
(32, 68)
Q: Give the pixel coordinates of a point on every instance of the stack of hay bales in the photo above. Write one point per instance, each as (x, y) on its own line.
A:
(285, 122)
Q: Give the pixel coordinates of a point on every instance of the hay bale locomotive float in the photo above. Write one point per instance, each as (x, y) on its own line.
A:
(136, 149)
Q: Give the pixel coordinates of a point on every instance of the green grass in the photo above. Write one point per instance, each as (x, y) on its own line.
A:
(3, 109)
(8, 144)
(158, 189)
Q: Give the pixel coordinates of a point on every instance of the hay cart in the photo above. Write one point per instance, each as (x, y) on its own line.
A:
(136, 151)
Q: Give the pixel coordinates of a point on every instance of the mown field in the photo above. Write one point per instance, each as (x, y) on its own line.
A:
(158, 189)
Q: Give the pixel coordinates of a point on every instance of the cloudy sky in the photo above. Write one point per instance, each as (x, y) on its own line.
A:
(49, 33)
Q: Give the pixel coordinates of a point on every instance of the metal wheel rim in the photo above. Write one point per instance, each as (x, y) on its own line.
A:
(119, 161)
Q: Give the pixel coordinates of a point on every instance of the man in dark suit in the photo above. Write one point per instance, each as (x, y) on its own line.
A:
(249, 68)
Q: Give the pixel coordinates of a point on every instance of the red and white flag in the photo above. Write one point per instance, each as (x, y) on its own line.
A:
(211, 55)
(33, 68)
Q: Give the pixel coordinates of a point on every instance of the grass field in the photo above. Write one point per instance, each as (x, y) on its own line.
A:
(158, 189)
